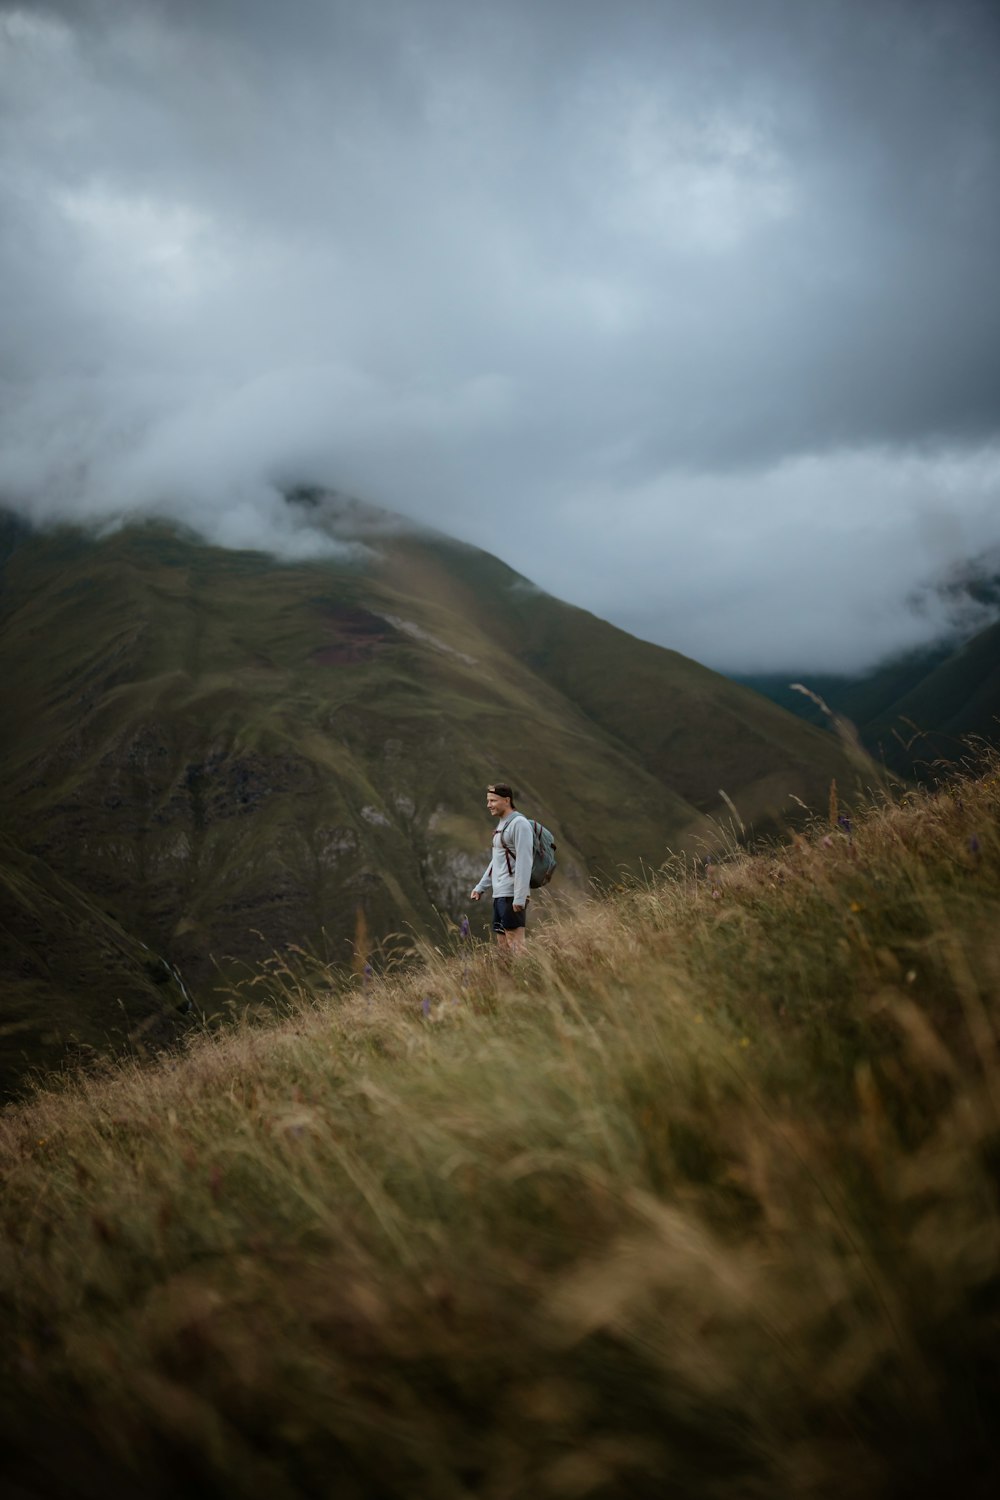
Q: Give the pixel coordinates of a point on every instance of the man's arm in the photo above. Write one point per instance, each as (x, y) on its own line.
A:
(524, 853)
(483, 883)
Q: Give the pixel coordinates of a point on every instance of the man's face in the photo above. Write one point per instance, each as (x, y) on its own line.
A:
(496, 806)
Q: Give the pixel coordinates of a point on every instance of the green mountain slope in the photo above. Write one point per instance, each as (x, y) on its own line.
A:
(912, 710)
(687, 726)
(230, 754)
(860, 699)
(959, 697)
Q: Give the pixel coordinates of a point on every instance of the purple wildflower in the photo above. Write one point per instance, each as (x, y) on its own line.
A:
(368, 972)
(464, 929)
(974, 845)
(845, 823)
(426, 1005)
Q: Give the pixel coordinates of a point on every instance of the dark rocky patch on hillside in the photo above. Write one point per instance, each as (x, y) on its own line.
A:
(76, 985)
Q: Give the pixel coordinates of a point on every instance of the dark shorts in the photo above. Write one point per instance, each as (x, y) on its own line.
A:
(505, 918)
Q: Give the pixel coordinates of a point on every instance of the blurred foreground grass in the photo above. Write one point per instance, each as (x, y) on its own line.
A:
(700, 1199)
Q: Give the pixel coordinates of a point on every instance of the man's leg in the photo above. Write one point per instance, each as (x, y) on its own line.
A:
(499, 931)
(508, 926)
(515, 941)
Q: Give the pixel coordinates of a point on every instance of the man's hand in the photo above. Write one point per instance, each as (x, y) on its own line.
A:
(475, 895)
(515, 907)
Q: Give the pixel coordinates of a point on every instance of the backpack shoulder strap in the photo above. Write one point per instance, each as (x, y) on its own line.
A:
(503, 842)
(520, 815)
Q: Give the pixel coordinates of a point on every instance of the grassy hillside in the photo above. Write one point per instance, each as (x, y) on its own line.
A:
(231, 755)
(699, 1199)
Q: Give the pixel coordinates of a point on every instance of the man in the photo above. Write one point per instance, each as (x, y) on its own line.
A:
(509, 871)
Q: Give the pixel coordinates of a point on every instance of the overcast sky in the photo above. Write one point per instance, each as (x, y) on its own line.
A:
(687, 308)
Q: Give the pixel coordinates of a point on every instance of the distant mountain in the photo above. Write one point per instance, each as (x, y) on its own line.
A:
(860, 699)
(228, 754)
(914, 714)
(957, 698)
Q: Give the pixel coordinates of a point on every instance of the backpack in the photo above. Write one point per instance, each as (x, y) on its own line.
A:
(543, 854)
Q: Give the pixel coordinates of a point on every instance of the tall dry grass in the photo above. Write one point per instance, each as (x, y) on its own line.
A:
(698, 1199)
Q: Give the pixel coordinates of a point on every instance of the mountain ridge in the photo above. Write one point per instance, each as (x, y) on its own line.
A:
(232, 754)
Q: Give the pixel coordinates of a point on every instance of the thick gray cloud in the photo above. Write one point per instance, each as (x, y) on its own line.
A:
(698, 300)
